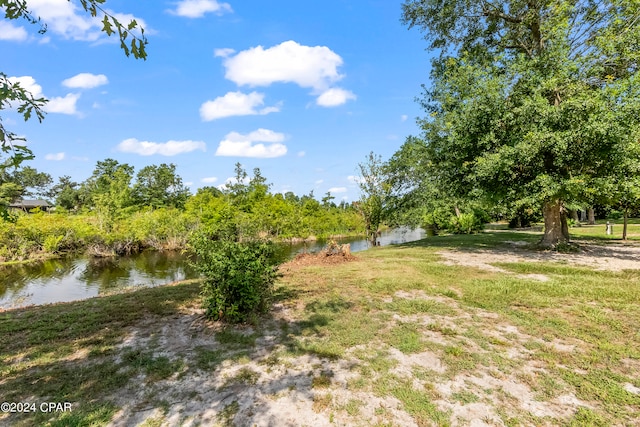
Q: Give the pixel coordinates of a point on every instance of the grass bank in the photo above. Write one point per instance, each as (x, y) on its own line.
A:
(400, 336)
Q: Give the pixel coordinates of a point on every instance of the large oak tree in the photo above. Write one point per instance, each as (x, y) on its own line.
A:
(532, 101)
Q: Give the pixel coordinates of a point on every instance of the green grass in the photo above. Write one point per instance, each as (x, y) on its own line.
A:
(418, 403)
(69, 351)
(228, 413)
(406, 337)
(580, 327)
(156, 368)
(598, 231)
(417, 306)
(244, 376)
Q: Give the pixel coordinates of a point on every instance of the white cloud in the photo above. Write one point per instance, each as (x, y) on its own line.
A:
(223, 52)
(8, 31)
(28, 83)
(337, 190)
(301, 153)
(403, 118)
(198, 8)
(54, 156)
(232, 180)
(63, 105)
(210, 179)
(188, 183)
(169, 148)
(235, 104)
(71, 22)
(320, 181)
(334, 97)
(289, 62)
(236, 144)
(80, 159)
(354, 179)
(60, 105)
(86, 81)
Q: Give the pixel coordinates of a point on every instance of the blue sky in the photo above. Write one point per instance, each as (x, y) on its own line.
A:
(302, 90)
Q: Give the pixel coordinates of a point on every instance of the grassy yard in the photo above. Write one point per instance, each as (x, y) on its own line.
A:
(598, 231)
(396, 337)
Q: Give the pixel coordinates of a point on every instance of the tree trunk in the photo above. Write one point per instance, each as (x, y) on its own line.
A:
(565, 225)
(555, 224)
(624, 226)
(575, 217)
(592, 217)
(457, 209)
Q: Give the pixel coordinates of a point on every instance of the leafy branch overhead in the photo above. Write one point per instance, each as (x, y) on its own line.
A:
(132, 43)
(13, 96)
(11, 93)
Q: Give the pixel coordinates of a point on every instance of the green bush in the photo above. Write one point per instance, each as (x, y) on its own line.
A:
(466, 223)
(614, 214)
(52, 243)
(239, 276)
(437, 219)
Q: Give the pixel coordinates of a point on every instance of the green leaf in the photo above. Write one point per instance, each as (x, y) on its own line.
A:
(106, 26)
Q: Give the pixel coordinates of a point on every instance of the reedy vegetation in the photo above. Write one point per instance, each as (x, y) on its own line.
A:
(109, 215)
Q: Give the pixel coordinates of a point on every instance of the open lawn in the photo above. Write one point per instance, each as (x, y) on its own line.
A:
(451, 330)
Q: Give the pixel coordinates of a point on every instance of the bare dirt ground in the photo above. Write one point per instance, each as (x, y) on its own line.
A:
(612, 257)
(268, 386)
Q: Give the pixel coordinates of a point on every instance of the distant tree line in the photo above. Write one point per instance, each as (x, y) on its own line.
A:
(117, 211)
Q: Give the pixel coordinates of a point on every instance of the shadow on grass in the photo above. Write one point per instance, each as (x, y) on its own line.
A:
(66, 352)
(81, 352)
(525, 244)
(485, 240)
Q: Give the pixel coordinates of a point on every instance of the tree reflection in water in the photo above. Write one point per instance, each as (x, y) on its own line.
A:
(71, 279)
(77, 278)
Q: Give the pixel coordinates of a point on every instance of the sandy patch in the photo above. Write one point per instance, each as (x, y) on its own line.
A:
(283, 393)
(612, 257)
(269, 387)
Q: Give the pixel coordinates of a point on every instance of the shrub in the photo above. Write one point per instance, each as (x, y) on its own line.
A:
(164, 228)
(239, 276)
(437, 219)
(614, 215)
(466, 223)
(52, 243)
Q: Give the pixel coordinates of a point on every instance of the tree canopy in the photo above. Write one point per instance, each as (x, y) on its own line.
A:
(531, 102)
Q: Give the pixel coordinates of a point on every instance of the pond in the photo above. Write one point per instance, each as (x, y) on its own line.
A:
(76, 278)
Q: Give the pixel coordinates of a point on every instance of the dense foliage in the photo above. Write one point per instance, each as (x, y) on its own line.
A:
(239, 276)
(533, 106)
(111, 213)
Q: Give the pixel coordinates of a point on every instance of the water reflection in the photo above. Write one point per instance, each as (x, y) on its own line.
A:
(79, 278)
(391, 237)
